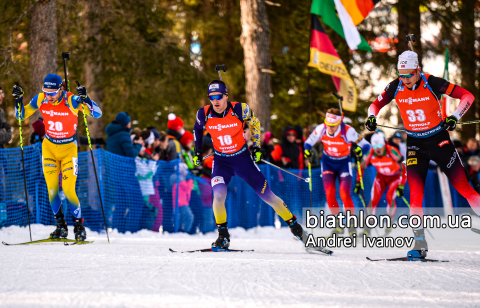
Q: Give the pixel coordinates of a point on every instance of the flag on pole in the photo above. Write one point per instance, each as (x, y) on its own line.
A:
(324, 57)
(446, 98)
(359, 9)
(342, 23)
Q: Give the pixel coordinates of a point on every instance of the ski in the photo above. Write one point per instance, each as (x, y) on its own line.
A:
(78, 243)
(318, 250)
(408, 259)
(476, 230)
(210, 250)
(47, 240)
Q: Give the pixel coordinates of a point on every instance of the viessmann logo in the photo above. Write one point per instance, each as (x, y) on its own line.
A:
(52, 113)
(414, 100)
(219, 127)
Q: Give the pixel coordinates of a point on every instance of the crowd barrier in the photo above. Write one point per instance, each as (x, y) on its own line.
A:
(145, 194)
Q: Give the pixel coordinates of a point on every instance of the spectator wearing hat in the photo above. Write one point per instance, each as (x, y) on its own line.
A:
(397, 141)
(175, 131)
(38, 131)
(118, 137)
(287, 154)
(5, 129)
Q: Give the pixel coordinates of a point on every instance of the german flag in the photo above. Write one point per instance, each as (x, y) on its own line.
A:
(359, 9)
(324, 57)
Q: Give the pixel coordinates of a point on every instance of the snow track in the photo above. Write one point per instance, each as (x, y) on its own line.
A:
(137, 270)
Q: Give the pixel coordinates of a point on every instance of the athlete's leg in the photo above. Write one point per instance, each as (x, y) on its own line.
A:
(345, 178)
(417, 168)
(450, 163)
(378, 188)
(51, 168)
(328, 178)
(252, 175)
(69, 163)
(392, 195)
(222, 173)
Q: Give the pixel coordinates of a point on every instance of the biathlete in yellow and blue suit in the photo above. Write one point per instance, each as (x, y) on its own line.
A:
(59, 110)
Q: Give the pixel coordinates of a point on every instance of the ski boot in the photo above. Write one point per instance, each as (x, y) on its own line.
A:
(297, 229)
(62, 229)
(420, 248)
(302, 235)
(223, 240)
(80, 234)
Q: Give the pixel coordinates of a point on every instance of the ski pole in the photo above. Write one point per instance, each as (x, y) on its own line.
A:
(310, 183)
(397, 128)
(65, 57)
(361, 182)
(23, 166)
(469, 122)
(269, 163)
(94, 168)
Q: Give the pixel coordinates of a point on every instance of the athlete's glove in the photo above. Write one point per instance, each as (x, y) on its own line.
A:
(17, 91)
(256, 154)
(357, 188)
(358, 152)
(400, 190)
(307, 154)
(450, 123)
(81, 91)
(371, 123)
(198, 158)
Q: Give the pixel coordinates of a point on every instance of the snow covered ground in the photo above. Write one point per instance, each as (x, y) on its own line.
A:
(137, 270)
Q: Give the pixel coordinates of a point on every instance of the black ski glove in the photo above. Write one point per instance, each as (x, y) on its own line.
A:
(17, 91)
(256, 154)
(450, 123)
(371, 123)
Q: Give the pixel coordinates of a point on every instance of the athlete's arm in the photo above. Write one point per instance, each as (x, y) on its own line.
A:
(466, 100)
(353, 136)
(314, 136)
(383, 99)
(92, 108)
(249, 117)
(29, 109)
(198, 129)
(441, 86)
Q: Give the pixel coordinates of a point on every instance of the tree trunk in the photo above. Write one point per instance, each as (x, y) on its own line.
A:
(93, 64)
(466, 54)
(255, 40)
(43, 47)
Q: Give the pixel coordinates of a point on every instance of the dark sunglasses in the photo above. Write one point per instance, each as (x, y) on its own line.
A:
(215, 97)
(292, 135)
(408, 75)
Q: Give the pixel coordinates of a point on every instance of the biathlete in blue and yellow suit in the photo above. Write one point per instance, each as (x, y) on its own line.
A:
(59, 110)
(225, 121)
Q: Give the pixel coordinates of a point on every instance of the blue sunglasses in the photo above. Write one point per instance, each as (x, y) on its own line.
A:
(51, 93)
(377, 146)
(215, 97)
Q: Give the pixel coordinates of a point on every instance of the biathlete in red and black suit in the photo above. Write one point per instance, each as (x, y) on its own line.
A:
(417, 96)
(225, 121)
(391, 175)
(338, 140)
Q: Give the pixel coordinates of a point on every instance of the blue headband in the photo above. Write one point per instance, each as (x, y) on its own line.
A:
(217, 87)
